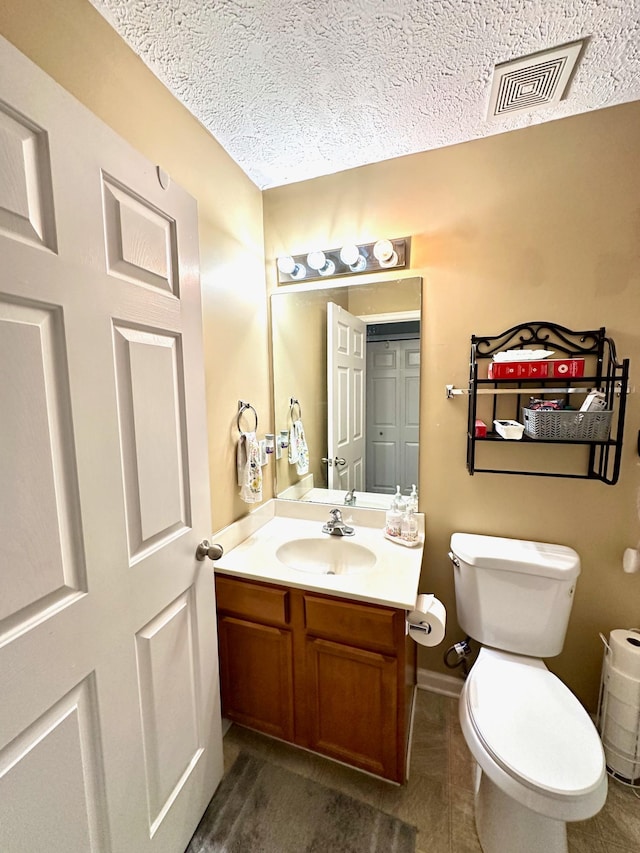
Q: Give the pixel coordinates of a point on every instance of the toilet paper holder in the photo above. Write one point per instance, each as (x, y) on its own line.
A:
(426, 624)
(618, 719)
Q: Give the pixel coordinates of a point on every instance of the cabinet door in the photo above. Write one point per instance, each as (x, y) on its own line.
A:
(256, 676)
(353, 712)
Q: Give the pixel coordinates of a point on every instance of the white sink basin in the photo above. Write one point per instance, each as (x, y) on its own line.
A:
(329, 555)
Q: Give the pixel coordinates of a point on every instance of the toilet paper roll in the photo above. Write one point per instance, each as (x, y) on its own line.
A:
(624, 648)
(624, 741)
(624, 715)
(427, 623)
(627, 769)
(623, 687)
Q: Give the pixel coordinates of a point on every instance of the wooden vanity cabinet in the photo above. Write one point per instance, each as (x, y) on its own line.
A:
(329, 674)
(256, 658)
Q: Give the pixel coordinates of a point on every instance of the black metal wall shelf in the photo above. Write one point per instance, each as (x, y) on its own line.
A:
(604, 373)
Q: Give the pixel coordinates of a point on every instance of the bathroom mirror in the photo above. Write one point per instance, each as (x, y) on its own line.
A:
(360, 417)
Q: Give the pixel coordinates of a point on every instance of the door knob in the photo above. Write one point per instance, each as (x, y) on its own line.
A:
(337, 460)
(213, 552)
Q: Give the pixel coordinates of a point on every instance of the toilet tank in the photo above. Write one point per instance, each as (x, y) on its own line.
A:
(512, 594)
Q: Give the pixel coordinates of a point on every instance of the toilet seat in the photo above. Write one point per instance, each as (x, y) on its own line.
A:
(533, 727)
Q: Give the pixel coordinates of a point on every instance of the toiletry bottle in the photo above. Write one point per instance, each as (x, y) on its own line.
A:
(412, 503)
(393, 521)
(409, 526)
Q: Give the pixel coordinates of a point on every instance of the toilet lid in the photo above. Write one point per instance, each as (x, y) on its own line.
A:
(534, 727)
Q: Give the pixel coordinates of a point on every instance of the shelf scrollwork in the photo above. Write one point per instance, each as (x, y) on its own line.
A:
(542, 334)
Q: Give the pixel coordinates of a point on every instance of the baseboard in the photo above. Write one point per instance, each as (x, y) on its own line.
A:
(439, 682)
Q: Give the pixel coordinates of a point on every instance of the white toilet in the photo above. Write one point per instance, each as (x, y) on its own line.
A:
(540, 762)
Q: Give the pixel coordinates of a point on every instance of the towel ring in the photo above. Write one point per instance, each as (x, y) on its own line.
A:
(293, 403)
(243, 407)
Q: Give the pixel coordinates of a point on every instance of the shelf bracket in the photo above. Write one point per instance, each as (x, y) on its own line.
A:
(452, 391)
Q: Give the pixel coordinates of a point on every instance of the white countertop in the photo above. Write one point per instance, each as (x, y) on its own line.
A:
(250, 546)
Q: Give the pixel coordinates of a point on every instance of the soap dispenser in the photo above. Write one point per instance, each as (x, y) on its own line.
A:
(393, 521)
(409, 527)
(412, 502)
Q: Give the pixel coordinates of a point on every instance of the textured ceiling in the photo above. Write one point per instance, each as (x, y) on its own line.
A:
(293, 89)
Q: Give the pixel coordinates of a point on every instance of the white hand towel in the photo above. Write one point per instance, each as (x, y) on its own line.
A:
(293, 447)
(249, 468)
(298, 450)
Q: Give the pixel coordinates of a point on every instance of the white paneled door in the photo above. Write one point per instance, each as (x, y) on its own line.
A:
(346, 363)
(393, 415)
(110, 737)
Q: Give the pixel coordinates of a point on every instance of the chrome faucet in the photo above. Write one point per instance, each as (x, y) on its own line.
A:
(336, 526)
(350, 497)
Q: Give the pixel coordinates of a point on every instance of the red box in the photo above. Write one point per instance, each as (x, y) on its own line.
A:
(557, 368)
(481, 429)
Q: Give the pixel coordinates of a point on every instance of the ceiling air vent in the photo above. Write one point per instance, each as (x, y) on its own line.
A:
(533, 81)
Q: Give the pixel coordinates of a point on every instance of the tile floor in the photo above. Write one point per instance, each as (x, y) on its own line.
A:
(438, 798)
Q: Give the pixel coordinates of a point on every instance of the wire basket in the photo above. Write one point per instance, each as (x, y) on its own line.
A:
(567, 425)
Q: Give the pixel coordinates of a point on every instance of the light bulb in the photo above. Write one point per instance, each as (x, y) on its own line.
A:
(299, 271)
(349, 254)
(287, 265)
(316, 260)
(329, 268)
(385, 254)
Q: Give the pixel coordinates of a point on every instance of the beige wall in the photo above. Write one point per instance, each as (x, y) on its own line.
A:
(73, 43)
(299, 349)
(538, 224)
(541, 224)
(390, 296)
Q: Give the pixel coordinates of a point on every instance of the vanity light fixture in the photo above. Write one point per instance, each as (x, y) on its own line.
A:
(350, 259)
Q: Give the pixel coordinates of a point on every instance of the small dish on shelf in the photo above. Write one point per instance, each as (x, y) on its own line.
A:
(511, 430)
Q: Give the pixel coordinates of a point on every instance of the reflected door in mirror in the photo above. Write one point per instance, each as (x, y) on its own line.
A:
(393, 409)
(346, 339)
